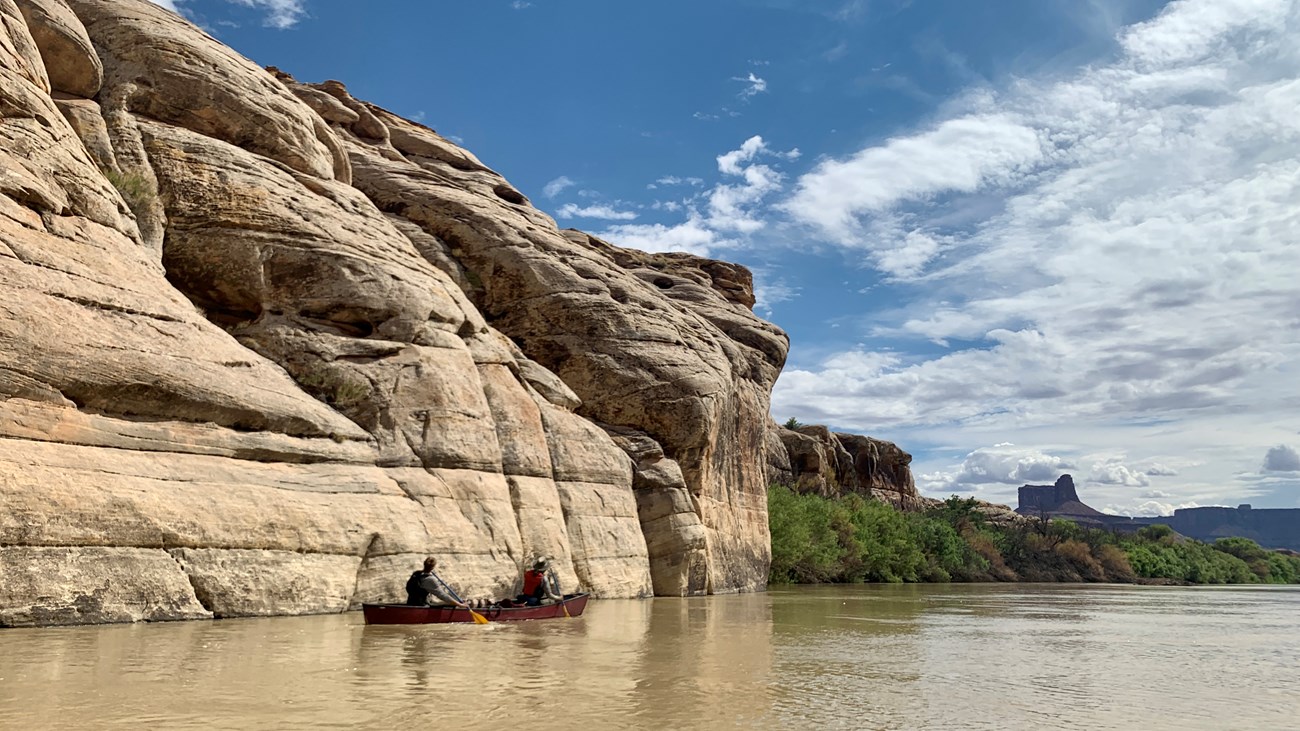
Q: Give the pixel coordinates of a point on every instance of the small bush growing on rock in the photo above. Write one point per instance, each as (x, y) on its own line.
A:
(137, 190)
(792, 423)
(338, 389)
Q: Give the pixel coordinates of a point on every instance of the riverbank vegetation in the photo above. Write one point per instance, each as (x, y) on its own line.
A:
(852, 539)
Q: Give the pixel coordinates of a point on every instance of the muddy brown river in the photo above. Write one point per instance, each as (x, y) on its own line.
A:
(863, 657)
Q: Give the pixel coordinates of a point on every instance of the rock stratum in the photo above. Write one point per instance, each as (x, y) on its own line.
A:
(264, 346)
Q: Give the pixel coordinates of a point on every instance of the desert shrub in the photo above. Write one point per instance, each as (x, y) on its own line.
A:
(1187, 561)
(1283, 569)
(958, 512)
(1116, 563)
(1079, 555)
(986, 549)
(1155, 532)
(805, 550)
(792, 423)
(947, 554)
(335, 387)
(888, 550)
(851, 539)
(137, 190)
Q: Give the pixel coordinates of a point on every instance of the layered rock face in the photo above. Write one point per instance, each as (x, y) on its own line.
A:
(264, 346)
(813, 459)
(830, 464)
(662, 351)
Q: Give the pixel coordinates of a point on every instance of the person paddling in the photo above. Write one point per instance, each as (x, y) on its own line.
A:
(426, 588)
(540, 584)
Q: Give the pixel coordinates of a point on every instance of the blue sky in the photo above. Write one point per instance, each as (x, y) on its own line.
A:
(1018, 238)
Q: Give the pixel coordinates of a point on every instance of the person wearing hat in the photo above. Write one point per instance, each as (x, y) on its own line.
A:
(426, 588)
(540, 584)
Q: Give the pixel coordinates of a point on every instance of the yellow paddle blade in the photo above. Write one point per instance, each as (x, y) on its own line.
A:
(566, 610)
(478, 618)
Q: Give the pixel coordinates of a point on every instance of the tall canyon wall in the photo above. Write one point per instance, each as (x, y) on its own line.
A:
(263, 346)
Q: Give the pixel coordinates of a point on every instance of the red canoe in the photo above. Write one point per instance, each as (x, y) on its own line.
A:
(408, 614)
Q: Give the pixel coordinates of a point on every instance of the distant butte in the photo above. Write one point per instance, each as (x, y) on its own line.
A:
(1271, 528)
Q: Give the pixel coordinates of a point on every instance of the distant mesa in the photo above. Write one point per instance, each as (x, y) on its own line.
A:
(1271, 528)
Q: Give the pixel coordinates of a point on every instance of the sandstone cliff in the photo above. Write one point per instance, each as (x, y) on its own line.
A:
(263, 346)
(815, 459)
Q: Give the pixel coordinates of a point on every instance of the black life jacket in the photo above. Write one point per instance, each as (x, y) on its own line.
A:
(415, 594)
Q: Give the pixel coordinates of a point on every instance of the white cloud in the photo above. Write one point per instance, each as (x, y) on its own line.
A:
(1148, 508)
(692, 236)
(730, 162)
(670, 180)
(520, 4)
(1114, 472)
(836, 52)
(1004, 464)
(557, 186)
(282, 14)
(961, 155)
(851, 11)
(1107, 257)
(1155, 469)
(770, 289)
(1282, 459)
(1188, 32)
(733, 207)
(604, 212)
(754, 85)
(724, 215)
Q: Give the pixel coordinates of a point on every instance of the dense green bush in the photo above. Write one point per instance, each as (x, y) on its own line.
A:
(852, 539)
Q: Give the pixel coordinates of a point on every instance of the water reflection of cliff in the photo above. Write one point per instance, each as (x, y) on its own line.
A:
(698, 651)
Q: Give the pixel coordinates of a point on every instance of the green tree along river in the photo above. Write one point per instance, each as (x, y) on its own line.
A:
(851, 539)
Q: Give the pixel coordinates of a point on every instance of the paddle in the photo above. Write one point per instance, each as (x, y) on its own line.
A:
(478, 618)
